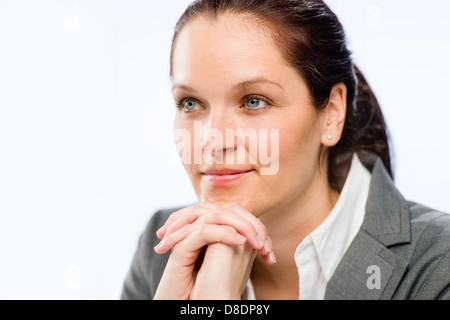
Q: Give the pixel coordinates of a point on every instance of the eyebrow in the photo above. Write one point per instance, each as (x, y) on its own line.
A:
(239, 86)
(248, 83)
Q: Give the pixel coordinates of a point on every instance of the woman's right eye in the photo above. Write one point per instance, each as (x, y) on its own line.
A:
(190, 105)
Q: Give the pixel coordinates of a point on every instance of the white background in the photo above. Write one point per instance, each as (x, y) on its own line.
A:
(86, 151)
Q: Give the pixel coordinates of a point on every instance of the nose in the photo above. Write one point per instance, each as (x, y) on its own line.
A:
(218, 137)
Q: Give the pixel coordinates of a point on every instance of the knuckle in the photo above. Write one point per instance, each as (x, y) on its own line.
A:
(174, 216)
(218, 210)
(217, 214)
(229, 230)
(189, 228)
(200, 229)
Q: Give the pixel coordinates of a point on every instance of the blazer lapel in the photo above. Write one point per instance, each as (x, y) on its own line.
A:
(369, 270)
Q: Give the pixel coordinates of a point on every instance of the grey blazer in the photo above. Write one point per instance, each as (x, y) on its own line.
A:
(402, 251)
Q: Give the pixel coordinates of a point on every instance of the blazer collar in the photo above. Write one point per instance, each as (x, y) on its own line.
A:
(386, 223)
(387, 215)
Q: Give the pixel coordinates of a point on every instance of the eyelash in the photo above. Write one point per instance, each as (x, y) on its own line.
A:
(179, 103)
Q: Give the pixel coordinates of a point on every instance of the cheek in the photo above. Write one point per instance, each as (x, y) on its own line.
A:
(184, 138)
(299, 144)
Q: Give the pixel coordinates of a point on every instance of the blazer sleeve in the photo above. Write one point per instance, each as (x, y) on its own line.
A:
(437, 286)
(435, 246)
(147, 266)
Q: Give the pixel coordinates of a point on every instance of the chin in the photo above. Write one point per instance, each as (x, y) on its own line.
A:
(222, 199)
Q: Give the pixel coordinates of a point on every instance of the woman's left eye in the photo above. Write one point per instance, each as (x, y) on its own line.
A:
(255, 103)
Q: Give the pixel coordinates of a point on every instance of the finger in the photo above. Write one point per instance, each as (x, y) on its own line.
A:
(269, 257)
(186, 217)
(199, 236)
(231, 214)
(258, 225)
(225, 215)
(181, 213)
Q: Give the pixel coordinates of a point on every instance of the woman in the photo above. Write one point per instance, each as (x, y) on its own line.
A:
(328, 222)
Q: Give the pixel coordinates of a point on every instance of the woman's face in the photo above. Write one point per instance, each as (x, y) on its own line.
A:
(229, 78)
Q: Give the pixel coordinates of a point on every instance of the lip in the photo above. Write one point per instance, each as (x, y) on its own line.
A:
(224, 176)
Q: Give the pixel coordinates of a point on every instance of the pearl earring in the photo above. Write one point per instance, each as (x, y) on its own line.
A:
(330, 137)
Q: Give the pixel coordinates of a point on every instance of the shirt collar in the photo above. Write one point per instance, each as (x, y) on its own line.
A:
(334, 235)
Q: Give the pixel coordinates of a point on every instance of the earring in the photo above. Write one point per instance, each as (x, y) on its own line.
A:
(330, 137)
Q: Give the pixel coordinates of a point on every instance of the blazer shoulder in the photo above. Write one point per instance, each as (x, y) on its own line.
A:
(430, 230)
(147, 266)
(432, 225)
(429, 263)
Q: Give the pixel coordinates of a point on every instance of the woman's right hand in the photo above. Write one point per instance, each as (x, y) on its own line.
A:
(189, 230)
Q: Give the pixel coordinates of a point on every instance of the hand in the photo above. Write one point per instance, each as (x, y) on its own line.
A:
(187, 231)
(224, 272)
(187, 220)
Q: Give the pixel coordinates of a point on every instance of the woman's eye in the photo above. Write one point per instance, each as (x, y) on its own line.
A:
(190, 105)
(255, 103)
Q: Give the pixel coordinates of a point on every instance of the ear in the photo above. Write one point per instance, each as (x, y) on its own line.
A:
(334, 114)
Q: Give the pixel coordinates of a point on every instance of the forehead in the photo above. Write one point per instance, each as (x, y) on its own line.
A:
(229, 46)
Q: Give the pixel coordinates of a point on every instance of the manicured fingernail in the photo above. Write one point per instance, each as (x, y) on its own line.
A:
(272, 257)
(159, 244)
(241, 238)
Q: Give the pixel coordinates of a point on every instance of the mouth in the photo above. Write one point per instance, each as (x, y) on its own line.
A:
(217, 177)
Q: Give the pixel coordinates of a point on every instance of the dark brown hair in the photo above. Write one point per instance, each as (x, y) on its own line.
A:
(313, 41)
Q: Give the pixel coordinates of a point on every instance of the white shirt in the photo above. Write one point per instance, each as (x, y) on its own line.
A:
(320, 252)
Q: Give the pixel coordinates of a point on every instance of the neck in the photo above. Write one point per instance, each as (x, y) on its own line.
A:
(287, 226)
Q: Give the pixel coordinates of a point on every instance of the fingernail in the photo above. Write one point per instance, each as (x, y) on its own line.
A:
(159, 245)
(272, 257)
(241, 238)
